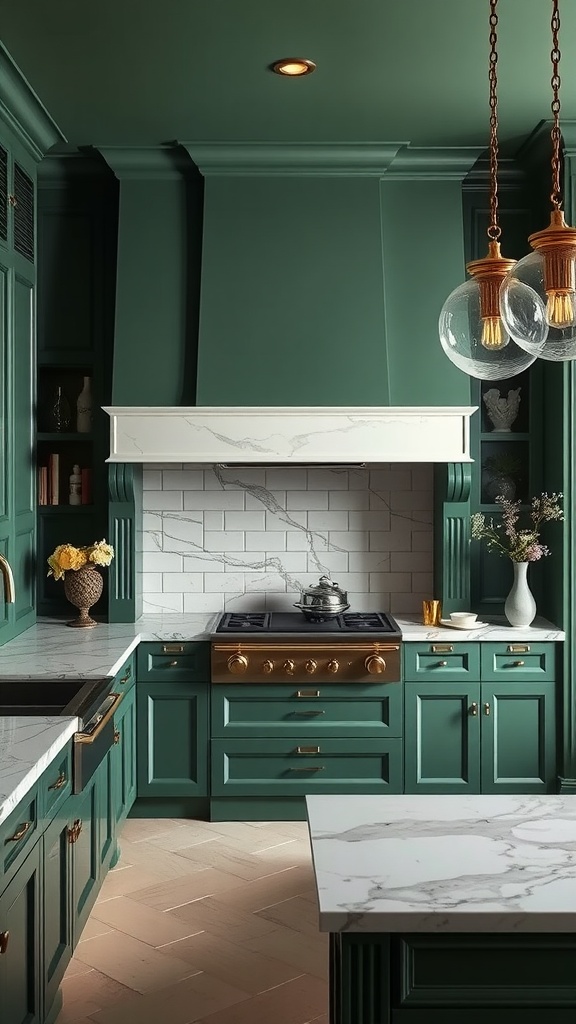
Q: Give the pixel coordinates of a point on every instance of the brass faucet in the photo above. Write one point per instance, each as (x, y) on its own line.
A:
(8, 577)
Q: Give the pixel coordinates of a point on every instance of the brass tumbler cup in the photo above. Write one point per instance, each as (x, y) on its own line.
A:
(431, 613)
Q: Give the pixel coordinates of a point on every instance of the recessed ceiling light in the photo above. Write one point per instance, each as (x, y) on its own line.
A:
(294, 67)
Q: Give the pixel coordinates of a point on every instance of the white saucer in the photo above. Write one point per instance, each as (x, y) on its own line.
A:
(453, 625)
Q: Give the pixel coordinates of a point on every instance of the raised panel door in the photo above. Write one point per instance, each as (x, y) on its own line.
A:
(518, 737)
(20, 984)
(442, 737)
(57, 923)
(172, 739)
(123, 757)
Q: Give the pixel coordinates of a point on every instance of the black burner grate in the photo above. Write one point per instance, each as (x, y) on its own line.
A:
(363, 620)
(293, 622)
(250, 621)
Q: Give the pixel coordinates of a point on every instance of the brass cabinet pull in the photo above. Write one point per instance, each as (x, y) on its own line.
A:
(90, 737)
(60, 781)
(20, 833)
(172, 648)
(173, 664)
(473, 709)
(4, 937)
(307, 693)
(442, 648)
(310, 768)
(518, 664)
(486, 708)
(518, 649)
(307, 750)
(304, 713)
(442, 664)
(74, 831)
(126, 677)
(117, 735)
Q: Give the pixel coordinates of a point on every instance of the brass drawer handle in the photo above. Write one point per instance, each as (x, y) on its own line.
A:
(74, 831)
(307, 693)
(4, 937)
(117, 736)
(310, 768)
(302, 714)
(518, 649)
(518, 664)
(173, 664)
(442, 648)
(307, 750)
(60, 781)
(126, 677)
(90, 737)
(473, 709)
(486, 708)
(172, 648)
(20, 833)
(442, 664)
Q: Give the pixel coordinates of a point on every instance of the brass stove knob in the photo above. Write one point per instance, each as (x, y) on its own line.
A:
(375, 664)
(268, 666)
(237, 664)
(333, 665)
(289, 666)
(311, 666)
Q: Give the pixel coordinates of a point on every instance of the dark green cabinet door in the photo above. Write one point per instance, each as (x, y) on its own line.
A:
(518, 737)
(123, 757)
(442, 738)
(57, 926)
(20, 963)
(91, 812)
(172, 739)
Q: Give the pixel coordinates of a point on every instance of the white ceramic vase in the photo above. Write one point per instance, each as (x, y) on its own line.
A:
(520, 606)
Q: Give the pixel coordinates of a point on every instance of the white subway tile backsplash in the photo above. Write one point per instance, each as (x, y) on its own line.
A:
(250, 539)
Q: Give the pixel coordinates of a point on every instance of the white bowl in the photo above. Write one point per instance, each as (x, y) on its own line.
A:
(463, 618)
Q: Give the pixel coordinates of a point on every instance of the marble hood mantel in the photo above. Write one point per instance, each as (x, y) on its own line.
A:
(316, 435)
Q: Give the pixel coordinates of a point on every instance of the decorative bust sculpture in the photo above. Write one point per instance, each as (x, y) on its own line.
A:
(502, 411)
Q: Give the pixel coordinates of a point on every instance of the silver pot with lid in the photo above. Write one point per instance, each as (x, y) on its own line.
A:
(322, 602)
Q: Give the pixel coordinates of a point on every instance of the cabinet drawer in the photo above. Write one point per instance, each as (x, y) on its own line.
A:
(242, 767)
(18, 834)
(524, 661)
(56, 783)
(173, 661)
(443, 660)
(126, 677)
(259, 711)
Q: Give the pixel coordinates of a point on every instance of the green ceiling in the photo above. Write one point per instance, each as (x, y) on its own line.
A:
(142, 72)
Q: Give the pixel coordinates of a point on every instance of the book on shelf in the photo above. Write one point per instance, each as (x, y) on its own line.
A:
(54, 479)
(42, 485)
(86, 487)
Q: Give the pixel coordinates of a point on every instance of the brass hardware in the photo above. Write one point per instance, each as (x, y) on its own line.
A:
(518, 649)
(442, 648)
(333, 665)
(90, 737)
(289, 666)
(486, 708)
(237, 664)
(307, 693)
(172, 648)
(117, 736)
(309, 768)
(20, 832)
(375, 664)
(125, 678)
(442, 664)
(518, 664)
(473, 709)
(74, 831)
(268, 666)
(356, 648)
(60, 781)
(4, 937)
(307, 750)
(12, 200)
(303, 713)
(311, 666)
(8, 577)
(173, 664)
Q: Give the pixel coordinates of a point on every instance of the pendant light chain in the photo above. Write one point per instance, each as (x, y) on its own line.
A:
(555, 195)
(494, 230)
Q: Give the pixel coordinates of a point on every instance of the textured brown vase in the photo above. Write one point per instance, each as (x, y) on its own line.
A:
(83, 587)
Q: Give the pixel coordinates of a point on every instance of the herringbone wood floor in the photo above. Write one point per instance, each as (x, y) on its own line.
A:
(201, 921)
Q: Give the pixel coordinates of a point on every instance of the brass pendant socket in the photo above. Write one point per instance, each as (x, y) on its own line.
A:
(490, 272)
(557, 243)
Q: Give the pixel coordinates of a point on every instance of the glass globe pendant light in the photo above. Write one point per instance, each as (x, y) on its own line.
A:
(538, 295)
(472, 333)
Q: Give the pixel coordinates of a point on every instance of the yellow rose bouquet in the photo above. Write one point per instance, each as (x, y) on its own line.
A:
(66, 557)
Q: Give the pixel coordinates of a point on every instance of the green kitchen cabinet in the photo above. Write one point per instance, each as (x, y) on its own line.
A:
(172, 739)
(20, 944)
(92, 821)
(57, 902)
(123, 757)
(441, 722)
(518, 737)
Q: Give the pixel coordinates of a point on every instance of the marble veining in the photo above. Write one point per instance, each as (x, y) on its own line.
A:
(444, 863)
(496, 630)
(27, 746)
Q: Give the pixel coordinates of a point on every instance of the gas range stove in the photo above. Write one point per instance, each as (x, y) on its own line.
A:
(278, 647)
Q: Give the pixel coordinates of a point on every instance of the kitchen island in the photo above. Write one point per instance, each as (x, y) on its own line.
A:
(447, 909)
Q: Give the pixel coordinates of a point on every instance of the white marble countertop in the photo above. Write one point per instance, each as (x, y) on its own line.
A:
(495, 629)
(444, 863)
(27, 747)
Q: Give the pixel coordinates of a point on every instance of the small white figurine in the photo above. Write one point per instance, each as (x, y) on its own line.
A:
(502, 411)
(75, 486)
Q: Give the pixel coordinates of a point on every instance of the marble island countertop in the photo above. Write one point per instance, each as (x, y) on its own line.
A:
(27, 747)
(444, 863)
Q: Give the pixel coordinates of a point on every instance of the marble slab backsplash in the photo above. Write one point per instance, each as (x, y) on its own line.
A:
(250, 539)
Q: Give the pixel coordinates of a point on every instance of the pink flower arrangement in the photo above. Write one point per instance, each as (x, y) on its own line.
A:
(521, 545)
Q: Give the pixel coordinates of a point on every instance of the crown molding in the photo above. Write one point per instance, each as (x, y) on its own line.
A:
(22, 111)
(431, 163)
(146, 163)
(301, 159)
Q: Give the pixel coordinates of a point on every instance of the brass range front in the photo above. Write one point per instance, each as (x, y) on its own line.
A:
(305, 661)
